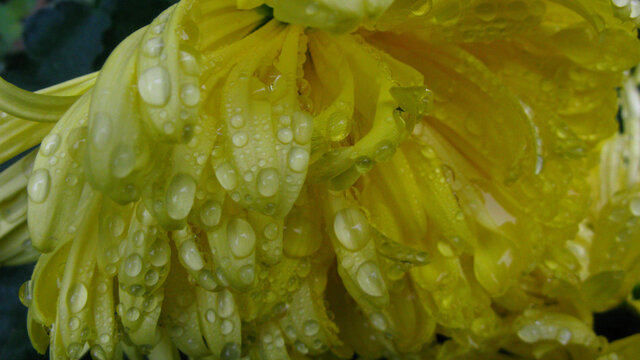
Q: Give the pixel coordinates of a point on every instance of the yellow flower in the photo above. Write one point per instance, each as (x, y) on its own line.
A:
(296, 178)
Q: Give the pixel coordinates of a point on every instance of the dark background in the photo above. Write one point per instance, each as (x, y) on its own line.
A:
(46, 42)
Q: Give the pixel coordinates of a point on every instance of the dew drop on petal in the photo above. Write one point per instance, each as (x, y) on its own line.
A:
(39, 185)
(77, 297)
(50, 144)
(370, 279)
(351, 228)
(154, 86)
(298, 159)
(268, 182)
(241, 237)
(180, 196)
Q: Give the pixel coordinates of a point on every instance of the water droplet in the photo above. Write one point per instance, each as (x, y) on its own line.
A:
(210, 315)
(189, 63)
(226, 304)
(180, 195)
(247, 274)
(352, 228)
(529, 333)
(102, 287)
(421, 7)
(39, 184)
(564, 336)
(241, 237)
(77, 297)
(370, 279)
(151, 277)
(153, 47)
(100, 128)
(190, 95)
(50, 144)
(378, 321)
(133, 265)
(268, 182)
(311, 327)
(74, 323)
(191, 256)
(363, 164)
(237, 121)
(230, 351)
(154, 86)
(240, 139)
(133, 314)
(303, 127)
(384, 151)
(338, 125)
(24, 293)
(210, 213)
(301, 347)
(159, 253)
(116, 225)
(227, 177)
(226, 327)
(285, 135)
(298, 159)
(271, 231)
(71, 180)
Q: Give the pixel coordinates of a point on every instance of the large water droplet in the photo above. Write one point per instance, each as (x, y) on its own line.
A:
(154, 86)
(378, 321)
(241, 237)
(240, 139)
(226, 304)
(159, 253)
(39, 185)
(189, 63)
(285, 135)
(180, 195)
(268, 182)
(298, 159)
(210, 315)
(227, 176)
(191, 256)
(190, 95)
(153, 47)
(210, 213)
(50, 144)
(370, 279)
(77, 297)
(311, 327)
(302, 127)
(133, 265)
(351, 228)
(529, 333)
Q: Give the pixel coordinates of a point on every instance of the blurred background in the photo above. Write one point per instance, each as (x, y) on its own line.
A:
(46, 42)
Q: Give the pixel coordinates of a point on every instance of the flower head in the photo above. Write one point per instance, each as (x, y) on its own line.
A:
(300, 178)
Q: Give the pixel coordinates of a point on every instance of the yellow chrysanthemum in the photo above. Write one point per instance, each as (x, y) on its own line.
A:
(317, 178)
